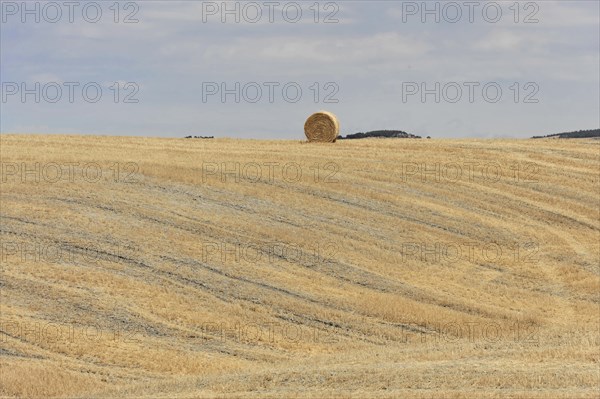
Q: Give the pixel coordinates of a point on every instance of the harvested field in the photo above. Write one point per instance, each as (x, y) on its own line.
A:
(145, 267)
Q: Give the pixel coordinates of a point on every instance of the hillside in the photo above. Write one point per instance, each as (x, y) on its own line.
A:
(380, 134)
(146, 267)
(580, 134)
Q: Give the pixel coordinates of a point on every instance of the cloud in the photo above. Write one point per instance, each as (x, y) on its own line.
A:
(379, 47)
(369, 54)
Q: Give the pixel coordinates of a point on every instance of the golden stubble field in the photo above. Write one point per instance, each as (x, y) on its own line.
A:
(142, 267)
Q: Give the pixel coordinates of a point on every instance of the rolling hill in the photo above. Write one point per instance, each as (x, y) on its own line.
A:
(147, 267)
(580, 134)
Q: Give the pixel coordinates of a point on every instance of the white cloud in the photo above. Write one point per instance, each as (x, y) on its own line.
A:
(170, 52)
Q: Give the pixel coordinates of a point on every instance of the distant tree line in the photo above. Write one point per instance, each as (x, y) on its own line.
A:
(199, 137)
(380, 133)
(580, 134)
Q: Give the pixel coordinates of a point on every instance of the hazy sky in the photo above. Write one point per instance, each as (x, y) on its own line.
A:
(498, 69)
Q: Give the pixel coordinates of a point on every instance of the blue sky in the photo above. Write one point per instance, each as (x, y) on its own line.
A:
(366, 62)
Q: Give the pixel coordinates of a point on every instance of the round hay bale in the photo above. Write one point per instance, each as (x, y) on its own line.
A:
(322, 127)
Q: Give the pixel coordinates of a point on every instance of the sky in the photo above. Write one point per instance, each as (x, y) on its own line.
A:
(246, 69)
